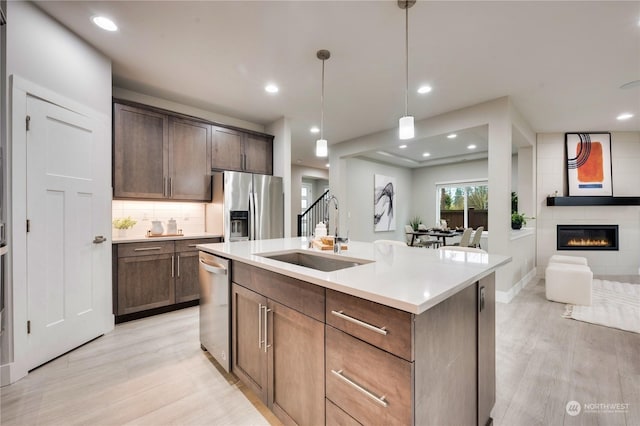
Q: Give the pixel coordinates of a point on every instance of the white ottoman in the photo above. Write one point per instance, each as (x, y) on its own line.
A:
(559, 258)
(568, 283)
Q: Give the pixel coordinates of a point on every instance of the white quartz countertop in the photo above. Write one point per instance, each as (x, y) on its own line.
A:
(408, 278)
(139, 239)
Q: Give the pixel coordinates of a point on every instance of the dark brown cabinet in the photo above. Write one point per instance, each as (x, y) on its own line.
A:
(151, 275)
(140, 158)
(158, 156)
(278, 351)
(241, 151)
(189, 160)
(145, 277)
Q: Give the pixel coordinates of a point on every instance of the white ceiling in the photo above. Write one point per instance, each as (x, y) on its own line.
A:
(562, 63)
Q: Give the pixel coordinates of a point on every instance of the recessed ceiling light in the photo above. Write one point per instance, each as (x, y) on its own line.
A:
(104, 23)
(424, 89)
(271, 88)
(425, 154)
(624, 116)
(452, 136)
(471, 146)
(314, 129)
(402, 146)
(327, 164)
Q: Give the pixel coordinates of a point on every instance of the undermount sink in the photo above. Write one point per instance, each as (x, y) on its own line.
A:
(314, 261)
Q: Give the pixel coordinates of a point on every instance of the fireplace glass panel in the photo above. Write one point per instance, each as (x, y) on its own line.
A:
(587, 237)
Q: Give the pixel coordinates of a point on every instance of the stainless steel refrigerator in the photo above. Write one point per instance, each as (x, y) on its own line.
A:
(253, 206)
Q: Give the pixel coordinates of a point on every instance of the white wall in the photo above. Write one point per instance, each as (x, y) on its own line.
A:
(46, 57)
(625, 157)
(357, 207)
(297, 173)
(281, 130)
(144, 99)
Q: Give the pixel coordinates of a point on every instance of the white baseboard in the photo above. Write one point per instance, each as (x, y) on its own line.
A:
(507, 296)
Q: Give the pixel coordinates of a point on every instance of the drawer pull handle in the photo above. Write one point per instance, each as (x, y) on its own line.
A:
(378, 399)
(147, 248)
(378, 330)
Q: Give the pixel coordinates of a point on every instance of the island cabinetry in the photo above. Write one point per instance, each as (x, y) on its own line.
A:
(278, 342)
(159, 156)
(145, 276)
(486, 348)
(241, 151)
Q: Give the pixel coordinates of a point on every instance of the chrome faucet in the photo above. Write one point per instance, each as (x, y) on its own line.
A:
(338, 241)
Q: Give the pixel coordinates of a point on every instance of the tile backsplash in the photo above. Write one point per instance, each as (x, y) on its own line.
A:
(188, 216)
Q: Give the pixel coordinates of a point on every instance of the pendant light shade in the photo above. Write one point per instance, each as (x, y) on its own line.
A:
(405, 125)
(322, 149)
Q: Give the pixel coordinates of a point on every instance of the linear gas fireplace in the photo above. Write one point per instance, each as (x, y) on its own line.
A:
(587, 237)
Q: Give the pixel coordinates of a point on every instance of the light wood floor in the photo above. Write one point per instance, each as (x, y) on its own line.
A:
(152, 372)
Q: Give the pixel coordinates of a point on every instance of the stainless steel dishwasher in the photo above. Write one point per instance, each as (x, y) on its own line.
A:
(213, 274)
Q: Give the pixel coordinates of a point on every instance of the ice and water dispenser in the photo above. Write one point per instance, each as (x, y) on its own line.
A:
(239, 222)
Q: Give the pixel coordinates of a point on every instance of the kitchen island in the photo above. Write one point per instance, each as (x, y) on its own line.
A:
(398, 335)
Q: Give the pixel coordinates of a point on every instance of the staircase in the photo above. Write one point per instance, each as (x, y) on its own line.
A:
(312, 216)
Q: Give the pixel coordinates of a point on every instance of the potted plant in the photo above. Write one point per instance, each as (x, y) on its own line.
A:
(518, 219)
(122, 224)
(414, 222)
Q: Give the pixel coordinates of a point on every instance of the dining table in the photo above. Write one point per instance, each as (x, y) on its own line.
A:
(443, 234)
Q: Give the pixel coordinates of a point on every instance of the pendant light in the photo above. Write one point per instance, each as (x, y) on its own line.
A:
(406, 130)
(322, 149)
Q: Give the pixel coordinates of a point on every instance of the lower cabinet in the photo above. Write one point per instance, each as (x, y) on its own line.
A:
(362, 362)
(151, 275)
(278, 352)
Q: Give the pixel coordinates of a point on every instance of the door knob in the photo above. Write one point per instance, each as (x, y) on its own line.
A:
(99, 239)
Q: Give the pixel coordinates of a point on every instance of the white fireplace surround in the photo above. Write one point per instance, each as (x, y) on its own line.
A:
(551, 177)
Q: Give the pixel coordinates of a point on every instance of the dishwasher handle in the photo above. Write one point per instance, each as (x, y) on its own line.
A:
(214, 269)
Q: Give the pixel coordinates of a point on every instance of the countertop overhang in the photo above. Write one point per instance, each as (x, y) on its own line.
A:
(406, 278)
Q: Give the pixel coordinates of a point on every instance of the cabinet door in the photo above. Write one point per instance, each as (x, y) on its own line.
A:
(247, 345)
(226, 149)
(187, 285)
(145, 282)
(140, 161)
(189, 160)
(296, 366)
(258, 152)
(486, 348)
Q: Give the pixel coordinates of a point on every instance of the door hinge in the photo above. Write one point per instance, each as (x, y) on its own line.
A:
(28, 327)
(28, 121)
(28, 225)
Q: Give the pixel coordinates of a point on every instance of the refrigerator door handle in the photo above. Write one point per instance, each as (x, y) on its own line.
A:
(252, 222)
(256, 224)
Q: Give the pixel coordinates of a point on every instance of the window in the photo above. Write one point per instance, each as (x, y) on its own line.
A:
(463, 204)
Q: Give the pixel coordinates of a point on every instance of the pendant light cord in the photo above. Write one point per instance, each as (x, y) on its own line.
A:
(406, 55)
(322, 105)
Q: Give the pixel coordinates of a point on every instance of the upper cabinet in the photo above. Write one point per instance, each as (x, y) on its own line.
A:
(140, 153)
(189, 160)
(241, 151)
(159, 155)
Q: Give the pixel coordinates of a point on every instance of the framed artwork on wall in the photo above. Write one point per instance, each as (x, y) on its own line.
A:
(384, 199)
(588, 164)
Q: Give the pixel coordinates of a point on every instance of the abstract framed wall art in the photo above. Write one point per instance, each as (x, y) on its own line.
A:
(589, 164)
(384, 200)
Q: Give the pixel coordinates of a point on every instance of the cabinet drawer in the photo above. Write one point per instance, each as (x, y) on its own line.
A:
(380, 398)
(190, 245)
(365, 320)
(299, 295)
(337, 417)
(145, 249)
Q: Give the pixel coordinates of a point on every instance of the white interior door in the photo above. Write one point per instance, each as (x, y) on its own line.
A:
(68, 297)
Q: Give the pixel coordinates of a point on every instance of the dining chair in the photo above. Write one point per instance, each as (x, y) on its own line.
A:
(475, 242)
(426, 240)
(465, 239)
